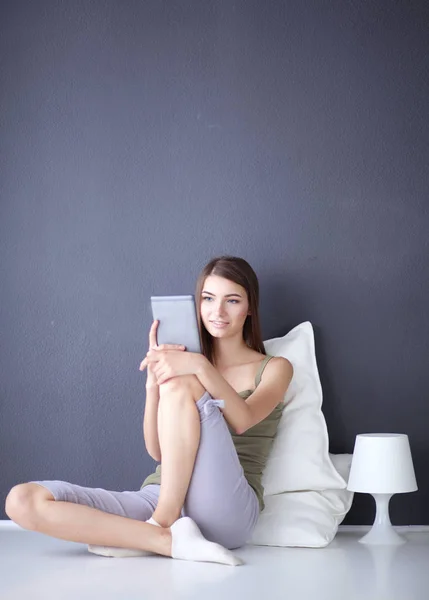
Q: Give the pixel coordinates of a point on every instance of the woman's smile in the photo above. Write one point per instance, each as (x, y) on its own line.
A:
(219, 324)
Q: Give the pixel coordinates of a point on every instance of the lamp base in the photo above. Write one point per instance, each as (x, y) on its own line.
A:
(382, 535)
(382, 531)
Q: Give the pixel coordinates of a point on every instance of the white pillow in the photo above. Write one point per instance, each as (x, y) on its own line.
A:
(304, 519)
(299, 459)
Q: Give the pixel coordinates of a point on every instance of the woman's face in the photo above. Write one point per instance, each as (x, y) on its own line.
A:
(224, 306)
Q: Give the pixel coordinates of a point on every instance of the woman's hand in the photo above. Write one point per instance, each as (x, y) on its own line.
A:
(151, 377)
(166, 364)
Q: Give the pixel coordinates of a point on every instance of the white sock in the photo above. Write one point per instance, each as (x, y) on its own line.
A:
(188, 543)
(112, 551)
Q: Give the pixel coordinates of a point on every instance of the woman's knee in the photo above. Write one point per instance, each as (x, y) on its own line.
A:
(23, 501)
(184, 384)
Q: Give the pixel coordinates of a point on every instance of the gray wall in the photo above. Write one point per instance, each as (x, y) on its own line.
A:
(140, 139)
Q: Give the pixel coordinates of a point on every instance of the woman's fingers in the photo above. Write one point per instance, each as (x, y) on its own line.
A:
(163, 347)
(170, 347)
(151, 359)
(161, 376)
(152, 334)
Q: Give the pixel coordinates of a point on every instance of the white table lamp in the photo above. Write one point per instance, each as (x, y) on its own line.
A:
(382, 466)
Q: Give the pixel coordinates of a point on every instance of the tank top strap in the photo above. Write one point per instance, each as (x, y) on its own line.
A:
(261, 369)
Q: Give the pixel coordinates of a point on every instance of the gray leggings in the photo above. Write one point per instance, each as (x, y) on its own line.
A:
(219, 498)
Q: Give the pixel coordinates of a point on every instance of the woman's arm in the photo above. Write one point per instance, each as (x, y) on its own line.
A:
(244, 414)
(150, 422)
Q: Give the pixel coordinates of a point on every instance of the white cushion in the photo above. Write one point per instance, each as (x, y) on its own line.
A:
(305, 519)
(299, 459)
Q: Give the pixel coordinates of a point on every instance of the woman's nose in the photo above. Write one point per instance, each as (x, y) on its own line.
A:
(219, 311)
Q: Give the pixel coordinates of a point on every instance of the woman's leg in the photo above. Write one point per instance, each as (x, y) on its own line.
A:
(33, 506)
(40, 506)
(179, 438)
(219, 498)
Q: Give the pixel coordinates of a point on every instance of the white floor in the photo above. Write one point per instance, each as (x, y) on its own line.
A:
(39, 567)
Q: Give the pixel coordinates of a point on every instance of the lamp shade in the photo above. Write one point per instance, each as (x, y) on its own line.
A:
(382, 464)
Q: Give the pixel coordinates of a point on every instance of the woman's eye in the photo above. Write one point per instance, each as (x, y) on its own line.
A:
(209, 298)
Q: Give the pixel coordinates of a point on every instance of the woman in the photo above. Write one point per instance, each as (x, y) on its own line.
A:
(212, 458)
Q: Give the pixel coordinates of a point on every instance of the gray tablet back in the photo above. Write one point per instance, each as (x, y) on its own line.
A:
(177, 321)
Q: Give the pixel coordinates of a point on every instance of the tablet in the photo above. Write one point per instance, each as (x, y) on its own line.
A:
(178, 323)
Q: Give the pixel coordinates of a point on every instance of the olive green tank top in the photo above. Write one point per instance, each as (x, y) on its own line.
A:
(252, 447)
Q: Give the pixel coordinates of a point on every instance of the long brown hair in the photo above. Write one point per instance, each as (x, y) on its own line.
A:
(239, 271)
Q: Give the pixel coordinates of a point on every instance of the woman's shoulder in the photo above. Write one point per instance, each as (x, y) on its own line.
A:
(278, 365)
(273, 369)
